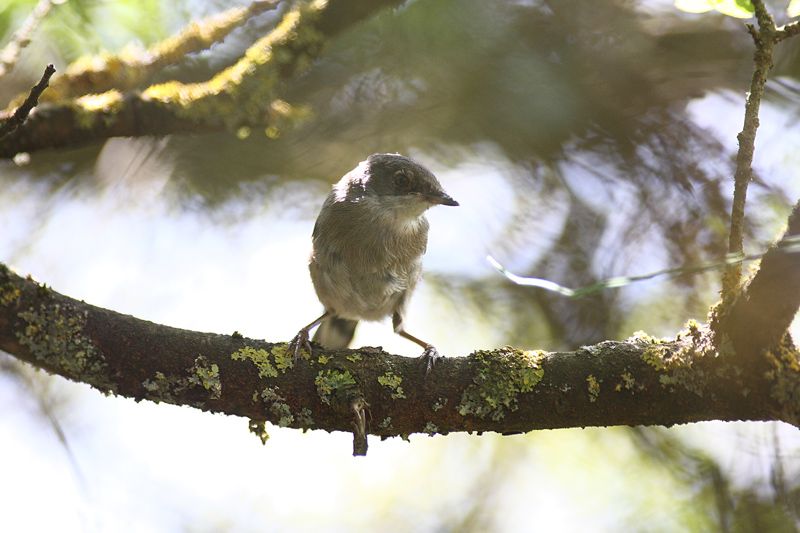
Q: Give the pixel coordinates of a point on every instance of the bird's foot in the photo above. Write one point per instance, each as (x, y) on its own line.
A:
(429, 358)
(299, 342)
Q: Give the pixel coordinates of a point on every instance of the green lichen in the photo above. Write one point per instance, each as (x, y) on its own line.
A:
(323, 359)
(627, 382)
(644, 337)
(53, 333)
(283, 359)
(499, 377)
(386, 423)
(304, 418)
(245, 91)
(431, 429)
(9, 295)
(677, 361)
(393, 382)
(334, 384)
(259, 429)
(593, 387)
(91, 108)
(354, 357)
(159, 388)
(203, 374)
(277, 406)
(785, 378)
(259, 357)
(439, 404)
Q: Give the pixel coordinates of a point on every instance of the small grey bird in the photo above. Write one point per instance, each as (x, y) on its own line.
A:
(368, 243)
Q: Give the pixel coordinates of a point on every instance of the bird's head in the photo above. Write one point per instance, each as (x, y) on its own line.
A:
(402, 185)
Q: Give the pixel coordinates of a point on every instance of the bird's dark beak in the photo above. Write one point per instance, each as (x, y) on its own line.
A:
(441, 198)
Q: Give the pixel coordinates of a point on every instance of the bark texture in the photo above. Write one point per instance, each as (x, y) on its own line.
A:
(641, 380)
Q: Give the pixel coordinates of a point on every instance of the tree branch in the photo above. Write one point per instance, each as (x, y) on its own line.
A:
(22, 37)
(764, 38)
(18, 117)
(243, 94)
(762, 313)
(638, 381)
(128, 70)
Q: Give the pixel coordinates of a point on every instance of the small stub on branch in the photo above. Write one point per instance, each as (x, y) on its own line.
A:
(15, 121)
(359, 406)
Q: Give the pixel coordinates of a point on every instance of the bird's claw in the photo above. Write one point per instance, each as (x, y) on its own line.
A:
(299, 342)
(429, 358)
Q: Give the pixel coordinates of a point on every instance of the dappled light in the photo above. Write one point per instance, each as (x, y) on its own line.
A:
(593, 155)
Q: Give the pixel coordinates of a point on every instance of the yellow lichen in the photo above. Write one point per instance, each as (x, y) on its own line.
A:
(259, 357)
(393, 382)
(593, 386)
(91, 106)
(628, 382)
(499, 377)
(334, 384)
(206, 375)
(259, 429)
(9, 295)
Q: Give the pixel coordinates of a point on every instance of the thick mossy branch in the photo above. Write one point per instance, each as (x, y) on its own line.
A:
(641, 380)
(246, 93)
(134, 67)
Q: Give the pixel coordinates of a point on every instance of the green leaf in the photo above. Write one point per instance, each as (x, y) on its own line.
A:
(733, 8)
(695, 6)
(741, 9)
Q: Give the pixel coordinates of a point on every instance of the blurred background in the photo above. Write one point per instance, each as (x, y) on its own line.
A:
(582, 143)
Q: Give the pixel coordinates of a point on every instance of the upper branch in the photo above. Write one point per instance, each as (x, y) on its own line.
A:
(243, 94)
(128, 70)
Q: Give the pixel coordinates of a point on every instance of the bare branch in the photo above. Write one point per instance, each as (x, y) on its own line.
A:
(789, 30)
(18, 117)
(764, 40)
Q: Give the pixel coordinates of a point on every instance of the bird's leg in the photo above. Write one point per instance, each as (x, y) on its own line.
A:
(429, 355)
(301, 339)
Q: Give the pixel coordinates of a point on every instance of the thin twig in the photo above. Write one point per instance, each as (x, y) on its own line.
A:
(789, 245)
(359, 426)
(764, 39)
(22, 37)
(789, 30)
(15, 121)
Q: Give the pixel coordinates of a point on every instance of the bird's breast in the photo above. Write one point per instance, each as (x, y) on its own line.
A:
(362, 270)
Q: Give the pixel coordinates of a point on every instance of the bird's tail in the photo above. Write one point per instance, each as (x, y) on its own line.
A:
(335, 333)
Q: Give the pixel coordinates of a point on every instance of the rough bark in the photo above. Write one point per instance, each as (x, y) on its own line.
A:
(637, 381)
(765, 308)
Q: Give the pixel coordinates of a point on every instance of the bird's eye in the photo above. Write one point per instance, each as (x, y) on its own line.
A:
(401, 181)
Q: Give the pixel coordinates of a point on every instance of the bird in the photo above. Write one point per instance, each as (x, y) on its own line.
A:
(367, 248)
